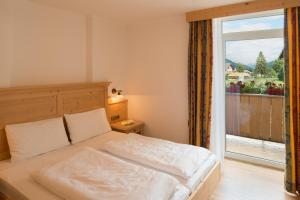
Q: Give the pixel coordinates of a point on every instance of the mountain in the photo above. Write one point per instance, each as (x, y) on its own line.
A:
(234, 65)
(249, 67)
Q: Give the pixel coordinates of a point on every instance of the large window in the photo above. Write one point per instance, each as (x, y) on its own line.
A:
(253, 48)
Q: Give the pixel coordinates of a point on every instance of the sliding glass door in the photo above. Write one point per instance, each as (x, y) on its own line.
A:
(254, 81)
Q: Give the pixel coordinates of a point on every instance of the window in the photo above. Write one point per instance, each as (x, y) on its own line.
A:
(254, 24)
(253, 48)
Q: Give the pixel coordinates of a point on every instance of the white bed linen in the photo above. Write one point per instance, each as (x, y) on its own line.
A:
(17, 175)
(85, 125)
(178, 159)
(200, 174)
(30, 139)
(90, 174)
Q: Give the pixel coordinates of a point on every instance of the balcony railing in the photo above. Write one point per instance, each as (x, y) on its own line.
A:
(255, 116)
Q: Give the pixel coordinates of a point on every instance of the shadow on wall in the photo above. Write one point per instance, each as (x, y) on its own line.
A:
(164, 117)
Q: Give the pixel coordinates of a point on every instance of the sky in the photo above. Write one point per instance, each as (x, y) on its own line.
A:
(246, 51)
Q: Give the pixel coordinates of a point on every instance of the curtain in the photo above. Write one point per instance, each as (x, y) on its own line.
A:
(200, 82)
(217, 137)
(292, 99)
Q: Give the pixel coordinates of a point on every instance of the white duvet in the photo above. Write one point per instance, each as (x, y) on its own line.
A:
(91, 174)
(178, 159)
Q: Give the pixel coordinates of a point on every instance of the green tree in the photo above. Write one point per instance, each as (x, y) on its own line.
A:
(281, 74)
(271, 73)
(227, 77)
(261, 64)
(278, 65)
(240, 67)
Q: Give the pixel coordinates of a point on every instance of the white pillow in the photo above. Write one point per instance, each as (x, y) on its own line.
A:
(30, 139)
(85, 125)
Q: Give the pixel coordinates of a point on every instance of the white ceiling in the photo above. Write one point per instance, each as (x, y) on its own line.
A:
(134, 10)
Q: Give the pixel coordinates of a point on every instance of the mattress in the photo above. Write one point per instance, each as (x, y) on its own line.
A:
(16, 182)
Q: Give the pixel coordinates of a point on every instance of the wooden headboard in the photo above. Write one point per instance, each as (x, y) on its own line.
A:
(25, 104)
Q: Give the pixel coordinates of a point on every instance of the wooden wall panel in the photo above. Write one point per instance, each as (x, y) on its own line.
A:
(244, 115)
(277, 119)
(26, 104)
(229, 116)
(82, 101)
(236, 112)
(265, 120)
(255, 116)
(118, 111)
(38, 107)
(255, 122)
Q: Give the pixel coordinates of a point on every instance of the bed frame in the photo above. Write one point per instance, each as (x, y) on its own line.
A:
(25, 104)
(208, 185)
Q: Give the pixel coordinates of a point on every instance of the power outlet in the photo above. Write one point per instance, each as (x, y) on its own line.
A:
(115, 117)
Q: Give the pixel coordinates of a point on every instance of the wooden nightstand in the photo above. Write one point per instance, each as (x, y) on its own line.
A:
(137, 127)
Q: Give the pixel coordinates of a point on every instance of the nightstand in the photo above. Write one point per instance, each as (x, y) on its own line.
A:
(137, 127)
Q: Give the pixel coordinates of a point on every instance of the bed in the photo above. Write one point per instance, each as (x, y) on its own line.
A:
(19, 105)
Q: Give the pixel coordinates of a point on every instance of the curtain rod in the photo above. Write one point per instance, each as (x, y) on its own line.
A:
(240, 8)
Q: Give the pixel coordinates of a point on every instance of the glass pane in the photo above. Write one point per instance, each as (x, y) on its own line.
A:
(255, 98)
(254, 24)
(247, 51)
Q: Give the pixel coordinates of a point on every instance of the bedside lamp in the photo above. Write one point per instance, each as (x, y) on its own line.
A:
(116, 96)
(115, 91)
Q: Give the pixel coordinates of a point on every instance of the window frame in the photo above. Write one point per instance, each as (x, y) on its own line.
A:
(252, 35)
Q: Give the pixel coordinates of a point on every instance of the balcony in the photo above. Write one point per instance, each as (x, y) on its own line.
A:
(255, 125)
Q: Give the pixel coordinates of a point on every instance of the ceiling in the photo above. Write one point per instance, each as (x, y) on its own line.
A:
(128, 11)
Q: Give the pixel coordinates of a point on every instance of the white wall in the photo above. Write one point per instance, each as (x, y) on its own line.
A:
(45, 45)
(157, 78)
(110, 52)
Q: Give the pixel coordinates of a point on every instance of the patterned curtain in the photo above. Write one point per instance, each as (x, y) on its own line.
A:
(200, 82)
(292, 99)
